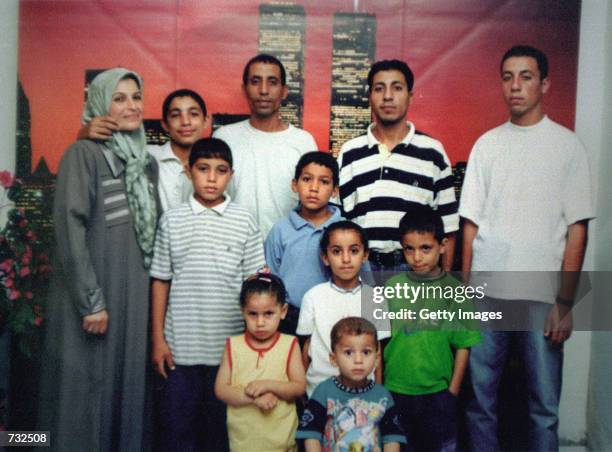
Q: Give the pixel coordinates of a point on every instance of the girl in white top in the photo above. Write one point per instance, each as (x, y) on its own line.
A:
(344, 249)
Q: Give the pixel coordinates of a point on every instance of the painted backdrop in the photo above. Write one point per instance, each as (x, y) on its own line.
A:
(453, 48)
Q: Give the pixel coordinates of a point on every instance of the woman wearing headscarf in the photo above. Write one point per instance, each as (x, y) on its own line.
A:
(105, 214)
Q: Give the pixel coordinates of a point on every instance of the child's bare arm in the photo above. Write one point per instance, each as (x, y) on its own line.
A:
(160, 352)
(461, 361)
(290, 390)
(305, 357)
(313, 445)
(231, 395)
(266, 402)
(391, 447)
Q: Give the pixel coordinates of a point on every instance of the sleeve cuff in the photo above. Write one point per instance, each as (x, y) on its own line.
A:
(159, 275)
(95, 302)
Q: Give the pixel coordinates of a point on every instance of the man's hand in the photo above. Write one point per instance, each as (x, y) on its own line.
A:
(162, 357)
(266, 402)
(559, 324)
(96, 323)
(100, 128)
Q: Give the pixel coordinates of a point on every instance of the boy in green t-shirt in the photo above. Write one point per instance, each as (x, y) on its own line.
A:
(427, 354)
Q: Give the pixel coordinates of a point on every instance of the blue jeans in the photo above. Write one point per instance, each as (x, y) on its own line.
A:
(429, 421)
(543, 363)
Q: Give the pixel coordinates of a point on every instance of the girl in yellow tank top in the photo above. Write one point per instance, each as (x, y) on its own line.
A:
(261, 372)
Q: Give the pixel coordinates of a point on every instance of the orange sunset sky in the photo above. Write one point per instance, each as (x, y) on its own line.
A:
(453, 48)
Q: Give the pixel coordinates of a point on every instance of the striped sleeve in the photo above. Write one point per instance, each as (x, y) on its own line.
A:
(253, 251)
(444, 190)
(161, 266)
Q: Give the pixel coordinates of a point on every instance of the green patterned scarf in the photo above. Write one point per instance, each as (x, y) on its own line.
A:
(130, 148)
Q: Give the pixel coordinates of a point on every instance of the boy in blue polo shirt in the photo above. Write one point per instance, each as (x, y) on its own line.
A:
(292, 246)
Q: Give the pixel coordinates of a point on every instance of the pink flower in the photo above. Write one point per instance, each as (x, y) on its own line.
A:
(31, 235)
(25, 271)
(14, 294)
(8, 282)
(6, 265)
(29, 295)
(38, 321)
(6, 179)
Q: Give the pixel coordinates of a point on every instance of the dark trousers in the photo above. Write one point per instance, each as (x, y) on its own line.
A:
(429, 421)
(191, 417)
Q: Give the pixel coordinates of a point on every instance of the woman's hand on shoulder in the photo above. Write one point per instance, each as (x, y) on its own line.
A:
(96, 323)
(100, 128)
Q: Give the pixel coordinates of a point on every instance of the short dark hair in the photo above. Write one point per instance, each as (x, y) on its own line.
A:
(183, 92)
(421, 218)
(264, 58)
(320, 158)
(263, 283)
(527, 51)
(391, 65)
(210, 148)
(354, 326)
(344, 225)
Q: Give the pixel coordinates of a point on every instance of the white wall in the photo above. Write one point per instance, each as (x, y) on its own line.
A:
(590, 108)
(599, 91)
(8, 117)
(8, 82)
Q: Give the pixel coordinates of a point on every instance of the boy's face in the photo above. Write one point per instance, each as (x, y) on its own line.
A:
(185, 121)
(422, 252)
(262, 315)
(210, 176)
(355, 356)
(314, 187)
(345, 255)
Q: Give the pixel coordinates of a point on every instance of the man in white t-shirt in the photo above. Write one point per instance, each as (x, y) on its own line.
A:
(265, 149)
(184, 118)
(526, 202)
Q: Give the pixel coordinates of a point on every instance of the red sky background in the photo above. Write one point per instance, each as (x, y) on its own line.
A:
(453, 48)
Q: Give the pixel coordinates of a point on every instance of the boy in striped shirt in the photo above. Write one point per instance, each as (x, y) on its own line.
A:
(203, 251)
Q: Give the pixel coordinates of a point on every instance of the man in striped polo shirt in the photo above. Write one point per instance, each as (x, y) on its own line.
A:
(392, 167)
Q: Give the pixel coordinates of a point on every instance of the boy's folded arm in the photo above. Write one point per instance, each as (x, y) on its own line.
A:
(231, 395)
